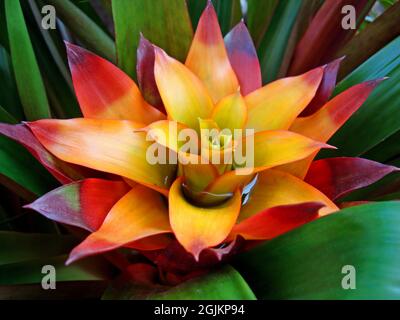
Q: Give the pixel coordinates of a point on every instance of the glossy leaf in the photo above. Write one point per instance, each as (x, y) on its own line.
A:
(276, 105)
(198, 228)
(112, 146)
(165, 23)
(27, 74)
(366, 237)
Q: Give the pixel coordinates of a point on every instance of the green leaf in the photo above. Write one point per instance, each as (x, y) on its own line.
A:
(229, 12)
(21, 172)
(9, 98)
(259, 15)
(31, 271)
(22, 256)
(84, 28)
(272, 47)
(165, 23)
(379, 117)
(386, 150)
(50, 43)
(307, 263)
(6, 117)
(60, 92)
(18, 247)
(223, 284)
(27, 74)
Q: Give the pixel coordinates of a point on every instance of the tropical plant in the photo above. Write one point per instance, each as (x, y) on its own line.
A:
(75, 146)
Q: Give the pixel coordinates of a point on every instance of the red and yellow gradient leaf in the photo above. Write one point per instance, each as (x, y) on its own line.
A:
(230, 112)
(271, 149)
(107, 145)
(104, 91)
(83, 204)
(140, 213)
(275, 221)
(184, 96)
(276, 105)
(198, 228)
(243, 57)
(325, 89)
(278, 188)
(62, 171)
(145, 74)
(336, 177)
(325, 122)
(208, 58)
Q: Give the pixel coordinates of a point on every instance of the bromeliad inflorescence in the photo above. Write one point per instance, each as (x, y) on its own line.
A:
(194, 209)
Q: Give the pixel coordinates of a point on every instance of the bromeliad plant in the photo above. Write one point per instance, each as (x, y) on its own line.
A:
(169, 227)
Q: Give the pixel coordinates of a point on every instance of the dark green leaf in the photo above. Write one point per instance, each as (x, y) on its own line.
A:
(18, 247)
(27, 74)
(84, 28)
(222, 284)
(21, 172)
(6, 117)
(259, 15)
(386, 150)
(31, 271)
(273, 44)
(165, 23)
(229, 12)
(9, 98)
(307, 263)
